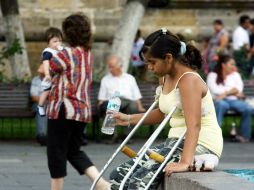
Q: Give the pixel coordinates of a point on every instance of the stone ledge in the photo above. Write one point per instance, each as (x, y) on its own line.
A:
(206, 181)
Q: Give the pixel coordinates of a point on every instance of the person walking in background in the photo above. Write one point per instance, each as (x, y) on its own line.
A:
(117, 80)
(217, 44)
(168, 57)
(241, 46)
(226, 87)
(204, 53)
(54, 39)
(138, 69)
(41, 121)
(69, 108)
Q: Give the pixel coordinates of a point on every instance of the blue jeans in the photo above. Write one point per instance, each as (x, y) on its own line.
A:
(41, 123)
(222, 106)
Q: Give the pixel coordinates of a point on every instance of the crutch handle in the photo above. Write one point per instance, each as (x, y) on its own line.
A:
(129, 152)
(155, 156)
(152, 154)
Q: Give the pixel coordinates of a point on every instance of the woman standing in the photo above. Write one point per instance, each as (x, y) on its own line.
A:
(69, 106)
(217, 44)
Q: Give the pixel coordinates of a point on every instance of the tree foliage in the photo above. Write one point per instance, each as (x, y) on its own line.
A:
(11, 50)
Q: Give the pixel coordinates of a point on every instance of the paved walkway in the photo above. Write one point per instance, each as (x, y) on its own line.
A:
(23, 165)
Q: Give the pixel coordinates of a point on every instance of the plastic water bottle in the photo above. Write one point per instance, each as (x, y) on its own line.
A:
(108, 126)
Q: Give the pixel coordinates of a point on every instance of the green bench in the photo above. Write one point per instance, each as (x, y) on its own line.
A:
(15, 104)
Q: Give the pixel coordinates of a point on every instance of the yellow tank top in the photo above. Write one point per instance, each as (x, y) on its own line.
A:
(210, 135)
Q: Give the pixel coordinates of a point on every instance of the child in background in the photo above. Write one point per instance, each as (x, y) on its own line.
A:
(54, 39)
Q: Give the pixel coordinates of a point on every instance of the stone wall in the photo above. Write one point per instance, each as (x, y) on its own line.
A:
(193, 22)
(38, 15)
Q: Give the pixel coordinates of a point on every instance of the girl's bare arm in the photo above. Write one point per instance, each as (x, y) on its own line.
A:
(155, 117)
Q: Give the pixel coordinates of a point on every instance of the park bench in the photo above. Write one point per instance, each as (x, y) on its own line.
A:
(14, 103)
(147, 90)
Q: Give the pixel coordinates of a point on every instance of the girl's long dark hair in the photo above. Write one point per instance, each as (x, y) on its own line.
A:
(161, 42)
(223, 59)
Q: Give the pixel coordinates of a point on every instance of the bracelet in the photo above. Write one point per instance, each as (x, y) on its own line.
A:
(129, 120)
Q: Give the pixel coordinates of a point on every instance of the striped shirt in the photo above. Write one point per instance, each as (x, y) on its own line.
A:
(71, 84)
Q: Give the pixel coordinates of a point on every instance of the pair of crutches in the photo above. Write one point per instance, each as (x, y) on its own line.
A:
(144, 149)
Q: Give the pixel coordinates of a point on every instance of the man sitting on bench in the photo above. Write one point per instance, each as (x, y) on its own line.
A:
(117, 80)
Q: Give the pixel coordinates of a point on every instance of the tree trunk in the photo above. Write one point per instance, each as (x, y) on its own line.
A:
(14, 30)
(126, 30)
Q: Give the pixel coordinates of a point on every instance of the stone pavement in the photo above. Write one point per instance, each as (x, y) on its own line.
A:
(23, 164)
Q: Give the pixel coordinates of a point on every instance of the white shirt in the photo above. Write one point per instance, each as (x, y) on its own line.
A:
(233, 80)
(125, 84)
(240, 38)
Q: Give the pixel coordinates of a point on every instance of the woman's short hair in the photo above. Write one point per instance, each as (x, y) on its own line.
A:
(77, 30)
